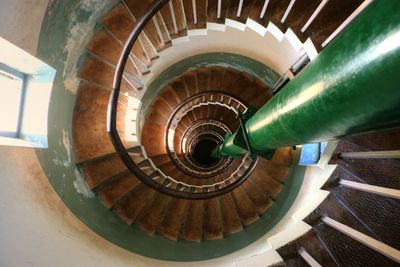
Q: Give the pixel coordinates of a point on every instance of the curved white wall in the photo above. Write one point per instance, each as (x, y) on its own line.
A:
(36, 228)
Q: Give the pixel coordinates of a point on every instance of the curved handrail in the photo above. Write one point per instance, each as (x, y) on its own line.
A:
(181, 106)
(154, 7)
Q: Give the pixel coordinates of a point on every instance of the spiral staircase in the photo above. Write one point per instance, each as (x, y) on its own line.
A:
(156, 172)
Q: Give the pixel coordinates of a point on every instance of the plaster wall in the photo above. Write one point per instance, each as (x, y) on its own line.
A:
(36, 228)
(21, 21)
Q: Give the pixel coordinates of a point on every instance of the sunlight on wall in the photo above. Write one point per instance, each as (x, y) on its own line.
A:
(10, 98)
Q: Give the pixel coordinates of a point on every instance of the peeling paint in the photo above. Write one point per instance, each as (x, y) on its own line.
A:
(81, 186)
(67, 146)
(80, 29)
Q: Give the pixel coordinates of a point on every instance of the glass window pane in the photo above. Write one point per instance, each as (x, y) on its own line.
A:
(10, 98)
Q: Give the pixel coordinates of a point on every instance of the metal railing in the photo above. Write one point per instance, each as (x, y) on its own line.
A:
(148, 174)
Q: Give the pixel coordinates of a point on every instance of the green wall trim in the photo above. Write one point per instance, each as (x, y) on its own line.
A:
(60, 42)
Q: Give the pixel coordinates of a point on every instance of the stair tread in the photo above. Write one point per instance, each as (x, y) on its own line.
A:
(382, 140)
(91, 139)
(104, 45)
(261, 200)
(99, 171)
(370, 208)
(233, 10)
(154, 137)
(245, 207)
(118, 187)
(192, 230)
(129, 208)
(177, 16)
(329, 19)
(138, 9)
(154, 213)
(311, 243)
(230, 218)
(212, 220)
(101, 73)
(268, 184)
(201, 14)
(350, 252)
(212, 11)
(170, 226)
(120, 23)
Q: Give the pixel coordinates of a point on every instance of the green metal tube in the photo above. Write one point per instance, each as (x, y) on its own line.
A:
(228, 148)
(353, 86)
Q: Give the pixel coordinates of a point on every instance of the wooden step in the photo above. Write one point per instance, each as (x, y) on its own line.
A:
(311, 243)
(246, 209)
(212, 220)
(174, 18)
(256, 94)
(382, 140)
(217, 14)
(348, 251)
(267, 183)
(203, 75)
(179, 86)
(196, 15)
(99, 72)
(277, 171)
(159, 112)
(230, 77)
(170, 97)
(117, 188)
(334, 13)
(371, 209)
(160, 159)
(230, 218)
(154, 141)
(130, 207)
(241, 84)
(105, 46)
(216, 78)
(154, 213)
(239, 10)
(191, 82)
(283, 156)
(192, 230)
(299, 14)
(138, 9)
(171, 225)
(100, 170)
(120, 23)
(258, 197)
(91, 139)
(263, 12)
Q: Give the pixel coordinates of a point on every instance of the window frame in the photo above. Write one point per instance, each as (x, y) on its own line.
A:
(22, 76)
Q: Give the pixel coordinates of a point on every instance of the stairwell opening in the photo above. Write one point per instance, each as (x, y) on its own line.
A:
(201, 152)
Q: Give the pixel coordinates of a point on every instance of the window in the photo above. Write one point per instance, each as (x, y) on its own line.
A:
(25, 90)
(11, 101)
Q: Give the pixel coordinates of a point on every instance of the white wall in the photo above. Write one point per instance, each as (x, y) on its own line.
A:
(21, 21)
(36, 228)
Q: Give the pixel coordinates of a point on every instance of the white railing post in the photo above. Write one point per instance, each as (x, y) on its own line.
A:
(383, 191)
(376, 245)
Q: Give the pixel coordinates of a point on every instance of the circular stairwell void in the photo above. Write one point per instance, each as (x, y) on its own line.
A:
(86, 55)
(249, 210)
(239, 217)
(201, 152)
